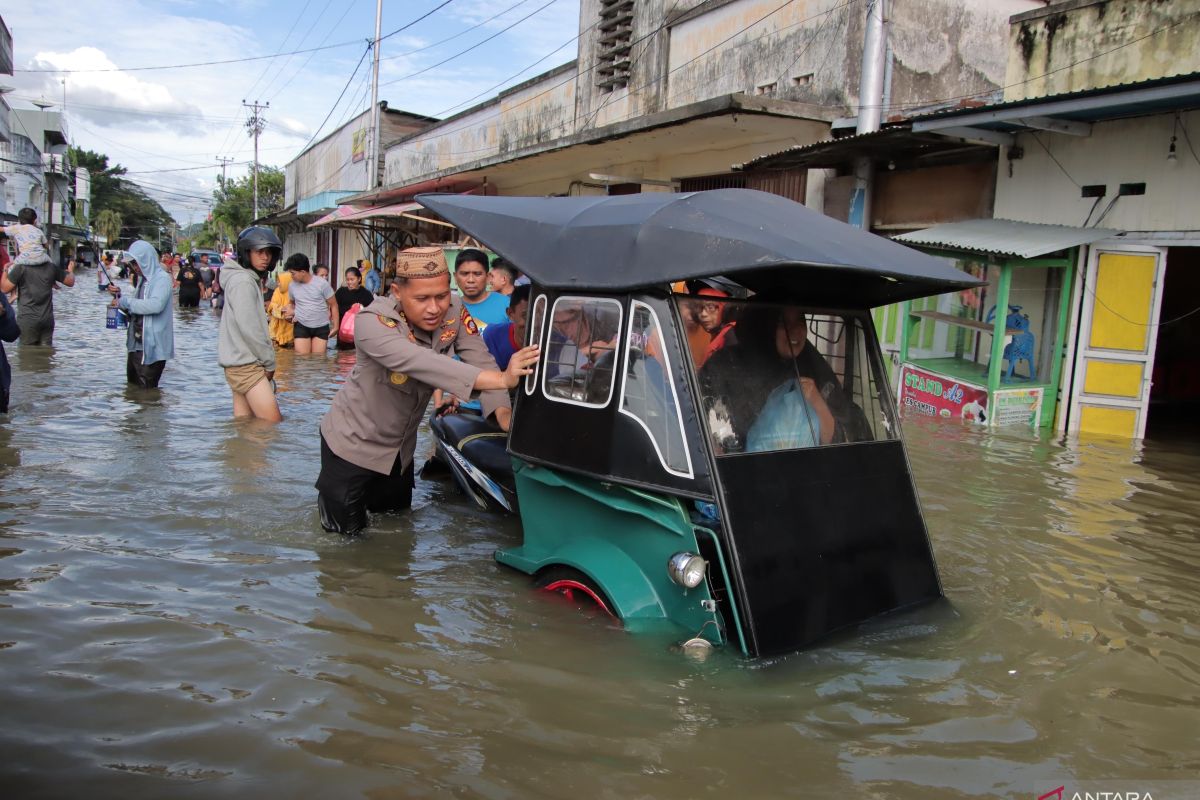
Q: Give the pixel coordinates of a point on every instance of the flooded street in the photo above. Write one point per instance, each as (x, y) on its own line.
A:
(174, 623)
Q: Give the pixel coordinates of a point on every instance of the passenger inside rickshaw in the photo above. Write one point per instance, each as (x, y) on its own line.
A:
(773, 389)
(708, 327)
(582, 349)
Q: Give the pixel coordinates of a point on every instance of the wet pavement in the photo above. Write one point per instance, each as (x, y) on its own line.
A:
(174, 623)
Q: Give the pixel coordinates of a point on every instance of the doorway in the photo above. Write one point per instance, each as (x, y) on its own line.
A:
(1175, 390)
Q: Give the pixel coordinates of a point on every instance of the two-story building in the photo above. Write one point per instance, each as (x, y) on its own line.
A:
(666, 96)
(330, 169)
(6, 68)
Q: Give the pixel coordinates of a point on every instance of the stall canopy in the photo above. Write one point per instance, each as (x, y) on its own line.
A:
(343, 214)
(623, 242)
(1005, 237)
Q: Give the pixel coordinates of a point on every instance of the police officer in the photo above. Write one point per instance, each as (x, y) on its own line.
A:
(405, 343)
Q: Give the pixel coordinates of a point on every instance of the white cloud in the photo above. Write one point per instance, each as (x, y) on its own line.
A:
(185, 117)
(293, 126)
(108, 99)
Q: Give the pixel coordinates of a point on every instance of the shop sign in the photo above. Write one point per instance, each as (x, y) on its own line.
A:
(1017, 407)
(932, 395)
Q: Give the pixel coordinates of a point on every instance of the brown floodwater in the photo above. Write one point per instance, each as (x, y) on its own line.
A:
(174, 623)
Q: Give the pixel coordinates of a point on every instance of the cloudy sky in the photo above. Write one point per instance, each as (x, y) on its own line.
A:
(167, 126)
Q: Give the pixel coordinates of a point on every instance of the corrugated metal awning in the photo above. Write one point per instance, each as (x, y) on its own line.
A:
(896, 144)
(1005, 237)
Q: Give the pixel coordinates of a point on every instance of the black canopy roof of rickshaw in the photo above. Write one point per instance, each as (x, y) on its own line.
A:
(764, 241)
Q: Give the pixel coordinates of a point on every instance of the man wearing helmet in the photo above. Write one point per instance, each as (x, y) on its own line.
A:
(244, 346)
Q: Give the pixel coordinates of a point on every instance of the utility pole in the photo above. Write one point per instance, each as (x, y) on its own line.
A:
(373, 165)
(255, 126)
(870, 102)
(224, 163)
(225, 160)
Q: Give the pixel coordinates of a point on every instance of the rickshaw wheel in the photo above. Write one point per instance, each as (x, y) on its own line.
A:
(576, 587)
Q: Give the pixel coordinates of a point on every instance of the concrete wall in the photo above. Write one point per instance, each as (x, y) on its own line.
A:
(538, 111)
(329, 164)
(1085, 44)
(1039, 191)
(807, 52)
(25, 181)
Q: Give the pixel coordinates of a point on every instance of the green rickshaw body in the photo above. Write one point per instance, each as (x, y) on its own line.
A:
(617, 536)
(726, 463)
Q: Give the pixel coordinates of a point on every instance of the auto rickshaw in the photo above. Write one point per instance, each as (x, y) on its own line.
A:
(750, 488)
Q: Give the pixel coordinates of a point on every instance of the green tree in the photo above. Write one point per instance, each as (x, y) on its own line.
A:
(234, 200)
(142, 217)
(108, 225)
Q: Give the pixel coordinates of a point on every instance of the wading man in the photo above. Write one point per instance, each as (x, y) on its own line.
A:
(244, 345)
(406, 342)
(151, 337)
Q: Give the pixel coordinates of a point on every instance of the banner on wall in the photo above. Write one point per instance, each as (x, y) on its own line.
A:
(358, 146)
(932, 395)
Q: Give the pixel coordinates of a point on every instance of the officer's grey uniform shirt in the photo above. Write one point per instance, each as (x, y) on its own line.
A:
(375, 415)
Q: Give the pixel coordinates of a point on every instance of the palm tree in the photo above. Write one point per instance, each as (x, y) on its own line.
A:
(108, 224)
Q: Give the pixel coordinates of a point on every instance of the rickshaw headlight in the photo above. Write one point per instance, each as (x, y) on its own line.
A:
(686, 569)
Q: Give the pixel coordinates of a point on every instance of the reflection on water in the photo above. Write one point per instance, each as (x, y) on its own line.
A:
(174, 623)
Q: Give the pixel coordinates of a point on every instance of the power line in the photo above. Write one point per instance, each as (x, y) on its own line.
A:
(194, 64)
(461, 33)
(518, 73)
(317, 132)
(188, 169)
(282, 42)
(472, 47)
(308, 60)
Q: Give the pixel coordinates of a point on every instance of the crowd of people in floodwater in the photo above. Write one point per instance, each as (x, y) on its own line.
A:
(416, 340)
(412, 333)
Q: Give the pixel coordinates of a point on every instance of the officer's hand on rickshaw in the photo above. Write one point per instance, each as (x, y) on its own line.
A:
(503, 417)
(520, 365)
(446, 404)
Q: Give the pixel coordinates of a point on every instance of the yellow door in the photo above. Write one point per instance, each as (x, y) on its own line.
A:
(1110, 388)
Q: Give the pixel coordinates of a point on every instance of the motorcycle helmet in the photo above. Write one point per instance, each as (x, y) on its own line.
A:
(257, 237)
(717, 286)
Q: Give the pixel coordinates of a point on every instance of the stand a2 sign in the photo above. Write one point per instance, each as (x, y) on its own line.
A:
(932, 395)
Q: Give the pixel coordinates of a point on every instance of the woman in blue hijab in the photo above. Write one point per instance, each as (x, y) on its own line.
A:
(151, 337)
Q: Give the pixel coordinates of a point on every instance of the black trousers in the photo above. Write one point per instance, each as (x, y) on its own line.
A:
(143, 375)
(346, 492)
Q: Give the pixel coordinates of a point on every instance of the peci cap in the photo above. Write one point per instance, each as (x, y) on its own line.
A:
(421, 262)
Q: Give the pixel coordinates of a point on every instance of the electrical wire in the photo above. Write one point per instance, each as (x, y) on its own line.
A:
(461, 33)
(472, 47)
(194, 64)
(311, 56)
(1057, 163)
(1186, 138)
(349, 80)
(282, 43)
(517, 74)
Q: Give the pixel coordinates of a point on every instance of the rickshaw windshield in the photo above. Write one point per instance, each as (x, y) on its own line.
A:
(780, 377)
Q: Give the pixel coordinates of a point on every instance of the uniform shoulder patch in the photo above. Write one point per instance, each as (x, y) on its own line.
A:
(468, 322)
(391, 323)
